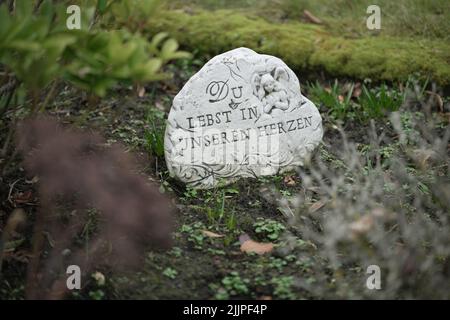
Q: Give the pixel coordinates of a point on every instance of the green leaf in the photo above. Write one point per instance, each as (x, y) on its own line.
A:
(102, 5)
(5, 22)
(153, 65)
(158, 38)
(168, 48)
(46, 10)
(180, 55)
(23, 8)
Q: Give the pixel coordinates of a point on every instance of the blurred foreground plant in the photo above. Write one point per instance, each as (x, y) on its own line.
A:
(130, 214)
(37, 50)
(390, 209)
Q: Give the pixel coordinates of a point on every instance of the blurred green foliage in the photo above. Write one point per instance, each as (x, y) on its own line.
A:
(37, 47)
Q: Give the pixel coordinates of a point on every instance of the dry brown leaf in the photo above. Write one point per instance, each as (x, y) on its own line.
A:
(316, 206)
(311, 18)
(362, 225)
(160, 106)
(423, 157)
(289, 180)
(23, 197)
(140, 91)
(440, 102)
(250, 246)
(212, 234)
(357, 90)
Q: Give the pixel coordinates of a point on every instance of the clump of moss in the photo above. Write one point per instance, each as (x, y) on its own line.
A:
(308, 47)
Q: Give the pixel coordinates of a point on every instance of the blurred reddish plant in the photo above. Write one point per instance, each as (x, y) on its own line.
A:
(77, 172)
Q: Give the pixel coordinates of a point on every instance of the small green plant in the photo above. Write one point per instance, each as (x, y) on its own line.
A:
(96, 294)
(408, 122)
(216, 210)
(190, 193)
(283, 287)
(170, 273)
(195, 234)
(277, 263)
(216, 204)
(235, 285)
(340, 107)
(370, 103)
(221, 293)
(176, 252)
(376, 102)
(154, 133)
(269, 228)
(384, 154)
(216, 252)
(304, 264)
(231, 222)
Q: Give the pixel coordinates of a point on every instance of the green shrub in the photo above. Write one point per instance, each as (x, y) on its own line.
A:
(37, 49)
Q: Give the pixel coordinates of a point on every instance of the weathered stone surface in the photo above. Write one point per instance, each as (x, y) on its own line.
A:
(241, 115)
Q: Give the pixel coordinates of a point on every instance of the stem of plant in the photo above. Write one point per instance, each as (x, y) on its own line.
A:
(49, 96)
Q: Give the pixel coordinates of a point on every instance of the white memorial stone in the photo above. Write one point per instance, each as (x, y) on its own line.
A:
(241, 115)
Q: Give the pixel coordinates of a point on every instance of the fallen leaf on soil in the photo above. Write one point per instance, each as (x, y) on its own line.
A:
(256, 247)
(440, 102)
(311, 18)
(140, 91)
(160, 106)
(316, 206)
(249, 246)
(289, 180)
(357, 90)
(212, 234)
(423, 157)
(362, 225)
(24, 197)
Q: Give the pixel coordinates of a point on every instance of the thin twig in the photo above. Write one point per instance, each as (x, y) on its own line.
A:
(7, 163)
(49, 96)
(38, 244)
(8, 138)
(11, 187)
(10, 87)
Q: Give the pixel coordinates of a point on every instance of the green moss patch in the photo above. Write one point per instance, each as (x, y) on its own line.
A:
(307, 47)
